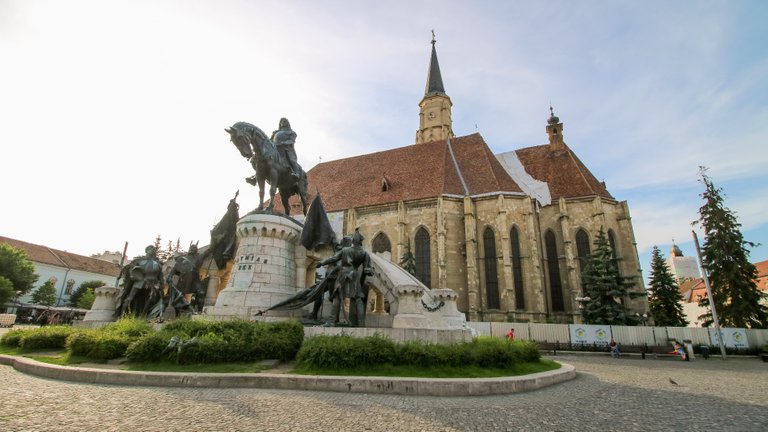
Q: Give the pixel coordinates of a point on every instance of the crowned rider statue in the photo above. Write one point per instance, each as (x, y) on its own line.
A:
(284, 138)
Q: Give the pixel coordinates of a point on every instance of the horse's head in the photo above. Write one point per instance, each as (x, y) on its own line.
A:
(241, 140)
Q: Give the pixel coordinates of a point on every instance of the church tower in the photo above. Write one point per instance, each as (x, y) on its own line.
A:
(435, 107)
(555, 132)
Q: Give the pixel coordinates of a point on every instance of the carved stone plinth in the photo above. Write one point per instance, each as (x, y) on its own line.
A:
(264, 271)
(104, 305)
(410, 311)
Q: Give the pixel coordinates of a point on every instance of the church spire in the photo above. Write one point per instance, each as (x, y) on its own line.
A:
(434, 79)
(435, 122)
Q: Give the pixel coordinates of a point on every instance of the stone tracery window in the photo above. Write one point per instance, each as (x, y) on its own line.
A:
(517, 268)
(381, 243)
(553, 267)
(491, 274)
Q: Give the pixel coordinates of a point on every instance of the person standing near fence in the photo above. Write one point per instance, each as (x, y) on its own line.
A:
(511, 335)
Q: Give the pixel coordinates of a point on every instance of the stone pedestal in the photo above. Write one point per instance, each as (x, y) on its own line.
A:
(409, 312)
(103, 308)
(265, 270)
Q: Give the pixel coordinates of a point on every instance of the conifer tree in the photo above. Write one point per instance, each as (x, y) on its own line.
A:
(74, 299)
(45, 295)
(665, 300)
(605, 287)
(726, 261)
(408, 261)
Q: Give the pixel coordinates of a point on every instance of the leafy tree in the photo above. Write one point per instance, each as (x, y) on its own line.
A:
(605, 287)
(726, 260)
(86, 299)
(45, 295)
(78, 293)
(6, 290)
(665, 300)
(408, 261)
(17, 268)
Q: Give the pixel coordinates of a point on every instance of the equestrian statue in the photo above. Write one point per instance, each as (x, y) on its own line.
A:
(274, 161)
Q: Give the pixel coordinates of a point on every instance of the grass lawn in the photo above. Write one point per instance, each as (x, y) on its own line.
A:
(436, 372)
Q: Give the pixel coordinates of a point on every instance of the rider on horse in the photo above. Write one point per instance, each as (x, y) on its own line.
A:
(284, 138)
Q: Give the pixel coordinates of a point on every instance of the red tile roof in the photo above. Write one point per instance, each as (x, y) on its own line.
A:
(428, 170)
(762, 275)
(565, 174)
(412, 172)
(59, 258)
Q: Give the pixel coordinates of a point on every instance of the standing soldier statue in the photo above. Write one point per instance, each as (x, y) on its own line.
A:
(355, 266)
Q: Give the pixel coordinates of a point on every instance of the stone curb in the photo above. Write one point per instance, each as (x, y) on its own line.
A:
(349, 384)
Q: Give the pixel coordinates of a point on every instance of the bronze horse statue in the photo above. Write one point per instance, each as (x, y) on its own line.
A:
(270, 166)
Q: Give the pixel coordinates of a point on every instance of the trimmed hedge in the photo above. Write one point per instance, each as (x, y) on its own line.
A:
(48, 337)
(346, 352)
(12, 338)
(98, 344)
(219, 341)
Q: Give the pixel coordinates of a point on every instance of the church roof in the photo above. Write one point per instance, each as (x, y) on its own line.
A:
(565, 174)
(410, 173)
(45, 255)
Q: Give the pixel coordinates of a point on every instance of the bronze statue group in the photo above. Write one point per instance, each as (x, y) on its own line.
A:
(146, 293)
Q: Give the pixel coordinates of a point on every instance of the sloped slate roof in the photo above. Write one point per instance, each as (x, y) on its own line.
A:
(565, 174)
(45, 255)
(411, 173)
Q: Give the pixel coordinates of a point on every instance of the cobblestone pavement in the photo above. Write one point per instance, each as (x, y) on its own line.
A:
(608, 395)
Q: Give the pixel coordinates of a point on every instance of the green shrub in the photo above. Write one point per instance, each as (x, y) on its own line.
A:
(130, 327)
(419, 353)
(48, 337)
(148, 348)
(12, 338)
(345, 352)
(97, 344)
(220, 341)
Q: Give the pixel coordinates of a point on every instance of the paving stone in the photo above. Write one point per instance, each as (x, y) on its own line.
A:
(608, 395)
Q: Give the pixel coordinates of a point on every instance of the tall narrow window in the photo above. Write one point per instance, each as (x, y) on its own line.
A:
(553, 267)
(517, 269)
(381, 243)
(612, 242)
(582, 248)
(422, 255)
(491, 276)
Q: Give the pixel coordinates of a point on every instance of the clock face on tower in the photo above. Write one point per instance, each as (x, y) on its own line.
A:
(431, 115)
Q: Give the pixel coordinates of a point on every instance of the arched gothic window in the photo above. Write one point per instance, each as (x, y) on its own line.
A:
(422, 255)
(381, 243)
(553, 267)
(612, 242)
(517, 268)
(582, 248)
(491, 275)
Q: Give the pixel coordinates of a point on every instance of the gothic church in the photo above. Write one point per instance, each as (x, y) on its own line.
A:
(507, 232)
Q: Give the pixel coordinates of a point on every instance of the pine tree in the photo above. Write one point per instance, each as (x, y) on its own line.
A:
(726, 260)
(605, 287)
(74, 299)
(665, 300)
(45, 295)
(86, 300)
(408, 261)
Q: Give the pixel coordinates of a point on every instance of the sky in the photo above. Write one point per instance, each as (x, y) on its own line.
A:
(112, 113)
